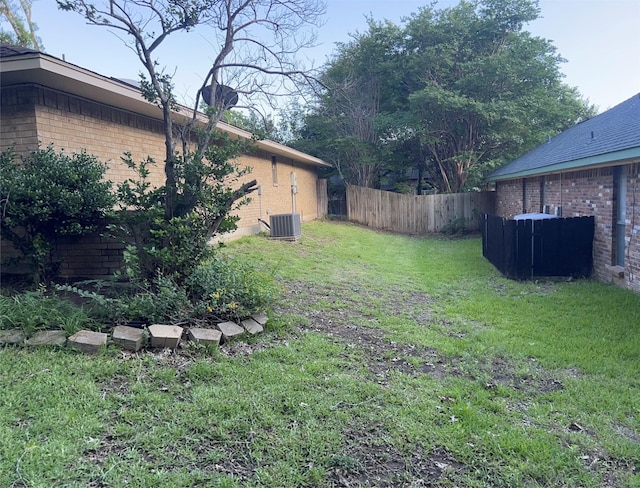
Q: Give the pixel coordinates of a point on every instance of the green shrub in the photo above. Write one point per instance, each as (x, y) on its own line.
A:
(158, 301)
(176, 244)
(221, 289)
(457, 227)
(33, 311)
(227, 287)
(47, 196)
(161, 302)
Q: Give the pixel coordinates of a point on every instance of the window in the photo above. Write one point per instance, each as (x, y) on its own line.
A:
(620, 192)
(274, 170)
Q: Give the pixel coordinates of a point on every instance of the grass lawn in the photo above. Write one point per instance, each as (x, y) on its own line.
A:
(389, 361)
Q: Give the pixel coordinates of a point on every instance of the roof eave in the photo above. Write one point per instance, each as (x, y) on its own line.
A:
(607, 159)
(273, 147)
(55, 73)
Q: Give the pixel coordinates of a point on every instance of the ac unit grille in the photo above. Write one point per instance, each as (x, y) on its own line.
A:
(285, 226)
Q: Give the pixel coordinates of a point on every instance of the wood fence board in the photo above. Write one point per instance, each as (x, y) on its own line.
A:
(416, 214)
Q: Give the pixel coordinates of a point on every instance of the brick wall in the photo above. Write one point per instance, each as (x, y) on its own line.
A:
(90, 256)
(32, 114)
(18, 119)
(509, 198)
(532, 195)
(277, 198)
(585, 193)
(632, 268)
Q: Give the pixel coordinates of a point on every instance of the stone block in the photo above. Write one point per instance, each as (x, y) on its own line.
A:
(48, 338)
(230, 330)
(251, 326)
(165, 335)
(128, 338)
(205, 336)
(261, 318)
(88, 341)
(12, 336)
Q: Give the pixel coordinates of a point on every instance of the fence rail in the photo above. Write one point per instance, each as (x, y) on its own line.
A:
(416, 214)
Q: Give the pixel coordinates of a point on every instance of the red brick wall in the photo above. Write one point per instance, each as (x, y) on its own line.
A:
(585, 193)
(632, 268)
(509, 198)
(532, 195)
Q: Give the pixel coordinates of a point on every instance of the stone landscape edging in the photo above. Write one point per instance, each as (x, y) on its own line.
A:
(155, 336)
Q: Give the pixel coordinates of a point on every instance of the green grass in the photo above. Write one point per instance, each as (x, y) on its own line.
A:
(390, 361)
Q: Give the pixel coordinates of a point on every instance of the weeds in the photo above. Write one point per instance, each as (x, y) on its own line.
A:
(34, 311)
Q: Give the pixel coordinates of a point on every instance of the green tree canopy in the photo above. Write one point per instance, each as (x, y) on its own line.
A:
(18, 17)
(453, 94)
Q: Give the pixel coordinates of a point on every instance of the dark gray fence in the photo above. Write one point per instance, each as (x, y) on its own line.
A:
(523, 249)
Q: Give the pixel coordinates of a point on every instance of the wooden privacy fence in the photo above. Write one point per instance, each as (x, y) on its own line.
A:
(416, 214)
(323, 198)
(522, 249)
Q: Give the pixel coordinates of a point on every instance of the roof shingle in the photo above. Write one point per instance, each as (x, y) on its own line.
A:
(615, 130)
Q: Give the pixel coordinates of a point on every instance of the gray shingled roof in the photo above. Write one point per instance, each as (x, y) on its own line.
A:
(8, 50)
(612, 136)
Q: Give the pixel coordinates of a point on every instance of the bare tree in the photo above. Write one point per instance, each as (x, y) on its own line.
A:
(18, 16)
(357, 109)
(254, 44)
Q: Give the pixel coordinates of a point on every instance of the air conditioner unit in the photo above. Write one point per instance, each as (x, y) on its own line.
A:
(285, 226)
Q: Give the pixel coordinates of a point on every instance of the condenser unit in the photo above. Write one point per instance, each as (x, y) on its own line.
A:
(285, 226)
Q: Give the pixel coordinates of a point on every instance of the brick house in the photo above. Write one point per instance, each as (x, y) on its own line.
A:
(593, 168)
(45, 100)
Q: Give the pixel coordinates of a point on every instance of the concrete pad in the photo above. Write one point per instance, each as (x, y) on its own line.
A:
(205, 336)
(88, 341)
(128, 338)
(12, 336)
(230, 330)
(165, 335)
(48, 338)
(251, 326)
(261, 318)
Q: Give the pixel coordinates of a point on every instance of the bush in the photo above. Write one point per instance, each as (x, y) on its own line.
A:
(50, 195)
(221, 289)
(229, 288)
(176, 244)
(457, 227)
(158, 301)
(161, 301)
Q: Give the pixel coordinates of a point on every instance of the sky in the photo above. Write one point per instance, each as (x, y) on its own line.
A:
(600, 39)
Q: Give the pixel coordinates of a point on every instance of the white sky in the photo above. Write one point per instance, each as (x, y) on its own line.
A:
(600, 39)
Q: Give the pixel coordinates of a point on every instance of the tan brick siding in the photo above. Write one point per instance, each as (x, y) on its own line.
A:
(17, 119)
(585, 193)
(278, 198)
(32, 114)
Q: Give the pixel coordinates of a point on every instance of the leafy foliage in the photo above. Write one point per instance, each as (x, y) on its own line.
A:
(347, 127)
(175, 246)
(23, 29)
(47, 196)
(223, 288)
(453, 94)
(457, 227)
(229, 287)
